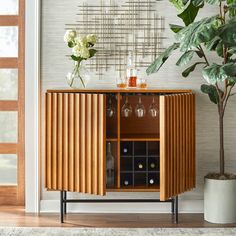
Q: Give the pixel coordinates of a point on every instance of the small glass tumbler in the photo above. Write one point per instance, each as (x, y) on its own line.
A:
(121, 82)
(142, 83)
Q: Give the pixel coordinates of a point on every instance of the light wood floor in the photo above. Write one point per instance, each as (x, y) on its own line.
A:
(15, 216)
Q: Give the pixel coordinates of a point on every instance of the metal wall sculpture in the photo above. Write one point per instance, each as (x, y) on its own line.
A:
(132, 26)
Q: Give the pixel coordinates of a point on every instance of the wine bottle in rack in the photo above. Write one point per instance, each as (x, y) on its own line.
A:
(151, 181)
(152, 165)
(110, 167)
(125, 150)
(140, 166)
(139, 163)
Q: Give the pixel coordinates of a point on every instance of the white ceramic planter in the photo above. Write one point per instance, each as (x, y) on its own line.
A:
(220, 201)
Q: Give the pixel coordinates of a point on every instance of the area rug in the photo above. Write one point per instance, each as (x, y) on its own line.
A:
(42, 231)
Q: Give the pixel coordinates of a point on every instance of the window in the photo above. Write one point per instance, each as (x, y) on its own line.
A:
(12, 102)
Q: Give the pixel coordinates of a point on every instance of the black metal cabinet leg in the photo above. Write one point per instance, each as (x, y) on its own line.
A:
(65, 205)
(173, 206)
(176, 210)
(61, 207)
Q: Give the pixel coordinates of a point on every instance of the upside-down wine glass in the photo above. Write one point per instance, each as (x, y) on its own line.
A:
(140, 110)
(110, 109)
(126, 109)
(153, 109)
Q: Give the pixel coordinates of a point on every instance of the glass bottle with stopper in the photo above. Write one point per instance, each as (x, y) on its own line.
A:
(131, 72)
(110, 168)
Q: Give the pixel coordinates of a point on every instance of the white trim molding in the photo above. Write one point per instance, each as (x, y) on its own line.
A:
(32, 70)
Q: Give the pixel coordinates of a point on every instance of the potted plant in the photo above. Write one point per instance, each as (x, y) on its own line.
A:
(216, 33)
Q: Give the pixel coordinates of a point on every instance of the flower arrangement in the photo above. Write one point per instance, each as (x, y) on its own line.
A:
(82, 49)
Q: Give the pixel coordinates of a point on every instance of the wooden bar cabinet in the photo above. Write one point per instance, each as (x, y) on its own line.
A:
(152, 154)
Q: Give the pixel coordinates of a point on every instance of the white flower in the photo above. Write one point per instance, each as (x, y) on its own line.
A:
(81, 41)
(76, 50)
(69, 36)
(91, 38)
(84, 52)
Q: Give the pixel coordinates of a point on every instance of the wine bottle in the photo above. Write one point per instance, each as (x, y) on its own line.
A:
(151, 181)
(140, 166)
(131, 71)
(110, 167)
(152, 165)
(125, 150)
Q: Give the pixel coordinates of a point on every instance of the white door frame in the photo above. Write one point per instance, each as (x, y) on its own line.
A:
(32, 105)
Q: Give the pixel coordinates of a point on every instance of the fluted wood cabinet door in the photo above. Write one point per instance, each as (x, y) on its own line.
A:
(75, 142)
(177, 144)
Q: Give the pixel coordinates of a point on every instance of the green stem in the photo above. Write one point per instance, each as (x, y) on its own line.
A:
(78, 72)
(73, 77)
(204, 55)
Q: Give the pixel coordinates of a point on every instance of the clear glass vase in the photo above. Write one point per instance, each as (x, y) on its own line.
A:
(79, 77)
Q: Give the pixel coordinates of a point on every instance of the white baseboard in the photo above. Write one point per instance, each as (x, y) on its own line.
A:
(185, 206)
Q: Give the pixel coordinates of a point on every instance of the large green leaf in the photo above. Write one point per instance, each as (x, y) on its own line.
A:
(219, 49)
(178, 4)
(156, 65)
(213, 1)
(232, 50)
(211, 91)
(196, 33)
(232, 7)
(212, 44)
(176, 28)
(92, 52)
(197, 2)
(185, 58)
(190, 13)
(78, 59)
(218, 73)
(228, 33)
(190, 69)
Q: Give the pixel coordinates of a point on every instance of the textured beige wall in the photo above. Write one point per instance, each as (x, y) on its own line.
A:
(54, 66)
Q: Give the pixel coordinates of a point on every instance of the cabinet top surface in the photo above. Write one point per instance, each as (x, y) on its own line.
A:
(116, 90)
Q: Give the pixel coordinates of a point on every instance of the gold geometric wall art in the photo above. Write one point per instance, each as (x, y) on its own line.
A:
(134, 25)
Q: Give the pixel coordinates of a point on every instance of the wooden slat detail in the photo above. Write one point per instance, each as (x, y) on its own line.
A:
(8, 20)
(60, 140)
(65, 142)
(88, 143)
(177, 144)
(82, 143)
(75, 142)
(54, 141)
(71, 143)
(48, 138)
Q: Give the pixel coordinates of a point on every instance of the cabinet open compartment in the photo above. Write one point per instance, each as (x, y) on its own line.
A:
(136, 127)
(144, 169)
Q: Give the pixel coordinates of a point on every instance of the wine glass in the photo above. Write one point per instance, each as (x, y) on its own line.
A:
(140, 109)
(110, 109)
(126, 109)
(153, 109)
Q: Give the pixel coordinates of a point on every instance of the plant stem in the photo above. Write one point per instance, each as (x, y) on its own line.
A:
(78, 72)
(221, 123)
(204, 55)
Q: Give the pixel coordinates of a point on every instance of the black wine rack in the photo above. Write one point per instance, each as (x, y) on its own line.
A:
(139, 164)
